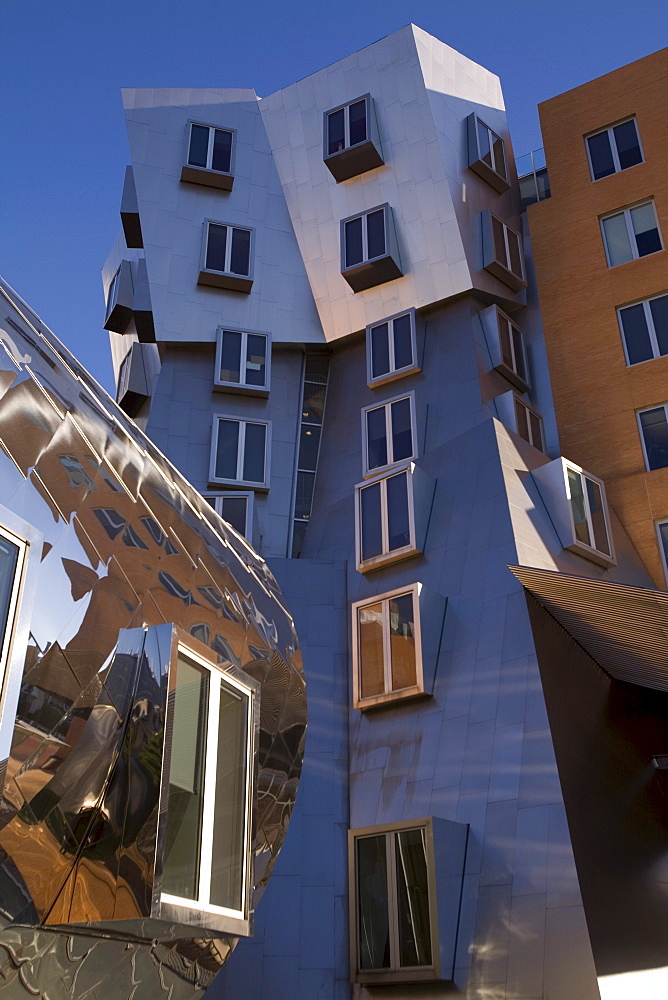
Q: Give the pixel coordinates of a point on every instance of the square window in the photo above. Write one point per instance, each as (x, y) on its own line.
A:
(529, 424)
(209, 156)
(644, 328)
(653, 424)
(486, 154)
(387, 654)
(351, 140)
(226, 257)
(613, 149)
(236, 508)
(388, 432)
(385, 520)
(391, 349)
(589, 513)
(239, 452)
(208, 775)
(631, 233)
(502, 252)
(369, 253)
(243, 360)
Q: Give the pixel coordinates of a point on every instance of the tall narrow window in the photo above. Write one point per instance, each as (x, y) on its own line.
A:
(644, 329)
(239, 452)
(12, 560)
(389, 433)
(385, 520)
(391, 349)
(653, 425)
(613, 149)
(316, 369)
(242, 360)
(209, 156)
(631, 233)
(513, 362)
(529, 424)
(226, 257)
(589, 516)
(502, 252)
(387, 656)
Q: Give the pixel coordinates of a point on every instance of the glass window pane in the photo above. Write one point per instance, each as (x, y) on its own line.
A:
(659, 310)
(335, 133)
(316, 368)
(636, 334)
(655, 435)
(227, 447)
(536, 432)
(413, 899)
(597, 516)
(499, 242)
(375, 223)
(298, 533)
(522, 422)
(240, 257)
(309, 439)
(402, 641)
(313, 405)
(628, 145)
(371, 656)
(371, 529)
(256, 360)
(376, 438)
(617, 240)
(645, 229)
(304, 495)
(357, 122)
(234, 510)
(398, 525)
(578, 509)
(353, 238)
(254, 446)
(600, 155)
(188, 701)
(403, 342)
(215, 247)
(380, 350)
(9, 554)
(229, 823)
(499, 156)
(504, 342)
(222, 150)
(515, 253)
(402, 430)
(230, 357)
(483, 143)
(373, 922)
(518, 352)
(199, 145)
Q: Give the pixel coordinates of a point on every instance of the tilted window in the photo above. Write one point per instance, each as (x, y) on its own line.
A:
(391, 349)
(369, 253)
(209, 156)
(387, 653)
(226, 257)
(589, 511)
(239, 452)
(235, 508)
(653, 424)
(385, 520)
(529, 424)
(512, 361)
(644, 327)
(487, 154)
(631, 233)
(502, 252)
(351, 143)
(242, 361)
(389, 433)
(613, 149)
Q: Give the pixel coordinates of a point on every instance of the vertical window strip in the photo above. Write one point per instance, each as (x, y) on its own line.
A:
(314, 397)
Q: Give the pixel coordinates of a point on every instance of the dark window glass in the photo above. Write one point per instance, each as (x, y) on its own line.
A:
(298, 534)
(215, 247)
(222, 150)
(316, 368)
(227, 448)
(376, 435)
(304, 495)
(313, 405)
(9, 554)
(234, 510)
(520, 366)
(645, 229)
(403, 342)
(515, 263)
(380, 350)
(375, 228)
(372, 538)
(536, 432)
(199, 145)
(597, 516)
(655, 436)
(254, 453)
(522, 423)
(636, 334)
(353, 234)
(309, 439)
(578, 507)
(412, 899)
(499, 156)
(659, 310)
(335, 131)
(504, 342)
(373, 904)
(600, 155)
(240, 256)
(397, 512)
(256, 360)
(628, 144)
(499, 241)
(229, 815)
(402, 431)
(230, 358)
(484, 143)
(357, 122)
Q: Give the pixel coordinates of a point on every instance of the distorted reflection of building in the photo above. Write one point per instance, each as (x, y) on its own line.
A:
(153, 705)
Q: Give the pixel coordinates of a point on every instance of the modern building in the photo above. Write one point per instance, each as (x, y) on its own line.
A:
(323, 309)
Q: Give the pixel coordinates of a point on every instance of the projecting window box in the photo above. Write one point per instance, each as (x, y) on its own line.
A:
(517, 415)
(506, 347)
(227, 256)
(209, 156)
(487, 154)
(243, 361)
(369, 249)
(391, 349)
(502, 252)
(351, 139)
(577, 505)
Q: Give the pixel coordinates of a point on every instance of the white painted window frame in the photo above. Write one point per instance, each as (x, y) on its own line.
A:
(393, 372)
(387, 555)
(241, 446)
(648, 409)
(240, 386)
(209, 154)
(391, 463)
(540, 445)
(220, 497)
(649, 320)
(230, 226)
(626, 212)
(613, 146)
(577, 543)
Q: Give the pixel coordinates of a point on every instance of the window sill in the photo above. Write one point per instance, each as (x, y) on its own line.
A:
(393, 376)
(118, 319)
(206, 177)
(240, 389)
(239, 484)
(372, 272)
(231, 282)
(499, 183)
(398, 555)
(593, 555)
(354, 160)
(507, 277)
(511, 376)
(391, 698)
(381, 978)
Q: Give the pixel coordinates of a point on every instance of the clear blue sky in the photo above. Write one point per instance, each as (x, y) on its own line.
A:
(63, 62)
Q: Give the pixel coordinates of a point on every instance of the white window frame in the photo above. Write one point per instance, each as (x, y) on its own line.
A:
(242, 421)
(387, 555)
(509, 229)
(626, 212)
(648, 409)
(393, 372)
(501, 268)
(390, 694)
(578, 545)
(218, 504)
(209, 155)
(345, 266)
(241, 386)
(651, 330)
(540, 445)
(391, 462)
(493, 135)
(230, 226)
(613, 146)
(7, 639)
(202, 904)
(346, 125)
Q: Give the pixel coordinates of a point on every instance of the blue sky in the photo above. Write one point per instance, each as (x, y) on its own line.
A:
(63, 62)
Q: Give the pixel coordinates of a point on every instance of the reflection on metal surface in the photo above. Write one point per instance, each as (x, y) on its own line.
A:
(127, 550)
